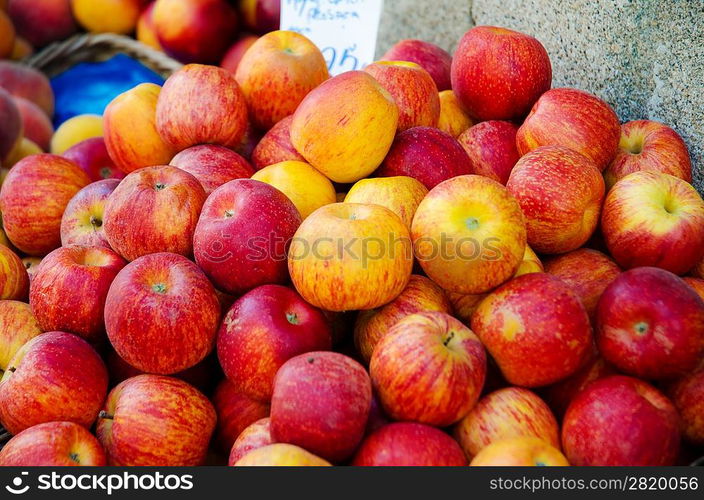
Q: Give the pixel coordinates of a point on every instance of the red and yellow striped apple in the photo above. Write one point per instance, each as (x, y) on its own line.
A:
(18, 325)
(400, 194)
(14, 280)
(687, 394)
(430, 57)
(82, 221)
(522, 451)
(491, 147)
(255, 435)
(453, 118)
(93, 157)
(235, 411)
(212, 165)
(275, 146)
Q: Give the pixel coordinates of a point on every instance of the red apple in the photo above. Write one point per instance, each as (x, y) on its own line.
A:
(55, 376)
(321, 402)
(409, 444)
(491, 147)
(154, 209)
(23, 81)
(152, 420)
(53, 444)
(256, 435)
(14, 280)
(262, 330)
(35, 123)
(162, 314)
(235, 411)
(11, 131)
(428, 368)
(42, 21)
(687, 394)
(426, 154)
(281, 455)
(621, 421)
(430, 57)
(92, 156)
(82, 221)
(498, 73)
(650, 324)
(522, 451)
(698, 269)
(261, 16)
(695, 284)
(242, 236)
(234, 54)
(212, 165)
(276, 146)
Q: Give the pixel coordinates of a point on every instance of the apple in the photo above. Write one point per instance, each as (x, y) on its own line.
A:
(522, 451)
(107, 16)
(687, 395)
(426, 154)
(23, 81)
(428, 368)
(256, 435)
(307, 188)
(93, 158)
(654, 219)
(491, 147)
(212, 165)
(153, 209)
(33, 198)
(74, 130)
(280, 455)
(31, 264)
(409, 444)
(22, 150)
(53, 444)
(42, 21)
(453, 119)
(506, 413)
(588, 272)
(560, 192)
(195, 31)
(200, 86)
(412, 88)
(349, 256)
(260, 16)
(14, 280)
(498, 73)
(621, 421)
(162, 314)
(345, 126)
(55, 376)
(400, 194)
(7, 35)
(236, 412)
(69, 289)
(21, 49)
(275, 146)
(234, 54)
(146, 30)
(573, 119)
(262, 330)
(430, 57)
(82, 221)
(698, 269)
(153, 420)
(130, 129)
(276, 73)
(695, 284)
(35, 123)
(321, 402)
(420, 295)
(17, 327)
(536, 329)
(243, 234)
(469, 234)
(12, 129)
(652, 146)
(650, 324)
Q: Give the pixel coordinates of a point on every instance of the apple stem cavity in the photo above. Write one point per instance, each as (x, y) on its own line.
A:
(159, 287)
(159, 186)
(74, 457)
(450, 336)
(95, 222)
(105, 415)
(292, 318)
(472, 223)
(641, 328)
(12, 369)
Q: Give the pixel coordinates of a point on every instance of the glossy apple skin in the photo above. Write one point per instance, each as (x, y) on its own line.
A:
(146, 31)
(506, 413)
(430, 57)
(14, 280)
(234, 54)
(321, 402)
(276, 73)
(162, 314)
(345, 126)
(536, 329)
(262, 330)
(523, 451)
(561, 193)
(453, 118)
(243, 234)
(82, 221)
(212, 165)
(573, 119)
(130, 130)
(621, 421)
(371, 271)
(53, 444)
(687, 394)
(281, 455)
(56, 376)
(154, 209)
(409, 444)
(649, 145)
(421, 294)
(42, 21)
(660, 342)
(153, 420)
(654, 219)
(426, 154)
(22, 81)
(235, 411)
(469, 234)
(35, 123)
(498, 74)
(256, 435)
(400, 194)
(93, 157)
(260, 16)
(46, 181)
(199, 85)
(197, 31)
(12, 129)
(413, 90)
(491, 147)
(18, 325)
(428, 368)
(276, 146)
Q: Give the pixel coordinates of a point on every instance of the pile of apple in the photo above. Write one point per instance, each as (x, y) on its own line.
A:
(434, 261)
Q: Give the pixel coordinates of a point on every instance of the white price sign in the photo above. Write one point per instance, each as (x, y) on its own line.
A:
(344, 30)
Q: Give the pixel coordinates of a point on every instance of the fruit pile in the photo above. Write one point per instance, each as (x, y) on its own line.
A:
(434, 261)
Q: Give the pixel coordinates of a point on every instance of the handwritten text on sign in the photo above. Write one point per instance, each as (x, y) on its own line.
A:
(344, 30)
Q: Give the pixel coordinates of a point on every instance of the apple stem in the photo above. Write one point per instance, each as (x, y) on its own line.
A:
(12, 369)
(449, 338)
(292, 318)
(105, 415)
(95, 222)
